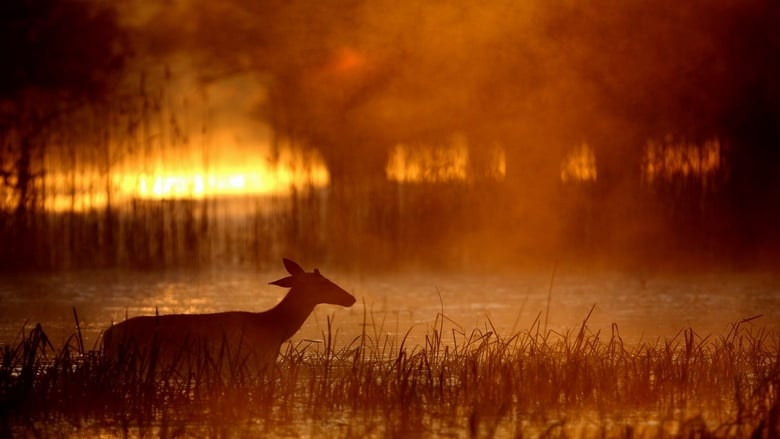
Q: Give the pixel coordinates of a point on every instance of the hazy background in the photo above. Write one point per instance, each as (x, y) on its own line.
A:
(383, 135)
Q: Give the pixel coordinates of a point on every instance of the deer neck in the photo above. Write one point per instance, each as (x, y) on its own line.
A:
(290, 313)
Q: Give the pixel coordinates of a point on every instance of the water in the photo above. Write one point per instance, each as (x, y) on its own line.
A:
(642, 308)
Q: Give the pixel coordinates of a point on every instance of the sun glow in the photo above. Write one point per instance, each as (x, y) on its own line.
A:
(223, 182)
(258, 179)
(258, 176)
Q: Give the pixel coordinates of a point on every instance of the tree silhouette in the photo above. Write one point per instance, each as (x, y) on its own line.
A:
(58, 55)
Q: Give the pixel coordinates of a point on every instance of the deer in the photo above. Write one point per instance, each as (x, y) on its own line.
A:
(240, 338)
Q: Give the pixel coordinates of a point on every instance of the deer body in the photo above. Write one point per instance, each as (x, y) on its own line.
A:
(240, 337)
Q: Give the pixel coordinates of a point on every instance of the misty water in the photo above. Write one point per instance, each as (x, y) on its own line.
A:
(643, 307)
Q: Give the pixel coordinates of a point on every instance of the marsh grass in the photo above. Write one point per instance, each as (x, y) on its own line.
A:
(475, 383)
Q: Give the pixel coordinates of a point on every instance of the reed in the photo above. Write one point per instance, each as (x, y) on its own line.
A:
(476, 383)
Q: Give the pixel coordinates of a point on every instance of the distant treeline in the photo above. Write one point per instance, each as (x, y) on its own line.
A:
(390, 225)
(90, 86)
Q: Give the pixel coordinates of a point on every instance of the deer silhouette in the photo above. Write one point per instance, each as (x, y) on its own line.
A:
(237, 338)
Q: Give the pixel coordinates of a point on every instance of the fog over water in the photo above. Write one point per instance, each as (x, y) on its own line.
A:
(648, 308)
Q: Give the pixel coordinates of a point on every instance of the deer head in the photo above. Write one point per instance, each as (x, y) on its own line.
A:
(312, 287)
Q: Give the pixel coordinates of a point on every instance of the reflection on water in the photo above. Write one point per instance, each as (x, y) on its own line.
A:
(642, 308)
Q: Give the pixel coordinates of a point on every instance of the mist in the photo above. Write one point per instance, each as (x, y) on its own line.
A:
(452, 135)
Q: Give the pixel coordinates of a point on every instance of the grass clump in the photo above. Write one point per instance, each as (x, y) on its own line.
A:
(459, 383)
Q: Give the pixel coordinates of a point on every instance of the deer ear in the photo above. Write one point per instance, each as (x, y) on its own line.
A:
(285, 282)
(292, 267)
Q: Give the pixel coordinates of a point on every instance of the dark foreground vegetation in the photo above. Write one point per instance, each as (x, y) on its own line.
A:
(458, 383)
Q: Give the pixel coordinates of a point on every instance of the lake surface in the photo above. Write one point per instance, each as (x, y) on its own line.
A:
(646, 308)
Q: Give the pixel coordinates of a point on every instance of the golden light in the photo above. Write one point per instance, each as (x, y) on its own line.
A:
(196, 184)
(670, 158)
(431, 164)
(579, 165)
(172, 180)
(441, 163)
(497, 166)
(252, 179)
